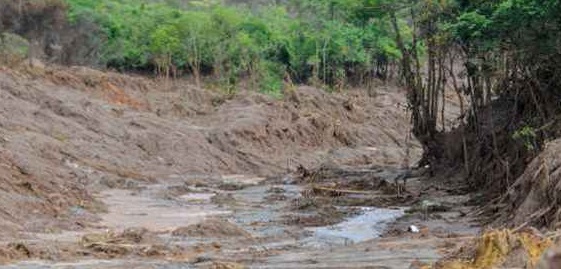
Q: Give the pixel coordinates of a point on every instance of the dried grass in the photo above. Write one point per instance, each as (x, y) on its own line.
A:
(500, 248)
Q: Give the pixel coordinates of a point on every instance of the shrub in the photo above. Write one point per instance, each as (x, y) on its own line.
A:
(13, 49)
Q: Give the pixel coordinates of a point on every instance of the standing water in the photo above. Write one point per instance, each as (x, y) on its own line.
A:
(369, 224)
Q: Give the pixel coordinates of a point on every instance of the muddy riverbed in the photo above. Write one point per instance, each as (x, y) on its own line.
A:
(251, 222)
(104, 170)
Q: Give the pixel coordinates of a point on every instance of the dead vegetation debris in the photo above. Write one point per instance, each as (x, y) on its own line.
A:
(227, 265)
(357, 186)
(500, 249)
(533, 199)
(212, 228)
(315, 212)
(313, 220)
(276, 197)
(223, 199)
(427, 207)
(350, 180)
(131, 242)
(47, 251)
(14, 251)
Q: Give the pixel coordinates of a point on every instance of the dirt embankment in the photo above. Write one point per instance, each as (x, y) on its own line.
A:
(533, 199)
(67, 132)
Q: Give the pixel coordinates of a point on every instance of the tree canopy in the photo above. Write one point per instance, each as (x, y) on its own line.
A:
(332, 42)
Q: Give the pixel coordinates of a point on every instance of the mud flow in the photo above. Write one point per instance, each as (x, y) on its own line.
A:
(102, 170)
(248, 222)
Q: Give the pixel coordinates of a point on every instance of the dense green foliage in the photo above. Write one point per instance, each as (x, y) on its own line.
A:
(262, 44)
(304, 41)
(504, 56)
(499, 47)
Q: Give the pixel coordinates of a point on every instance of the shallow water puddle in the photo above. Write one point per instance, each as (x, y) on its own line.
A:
(197, 197)
(368, 225)
(127, 209)
(242, 179)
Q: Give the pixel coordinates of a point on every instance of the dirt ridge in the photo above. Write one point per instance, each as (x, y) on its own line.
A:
(66, 133)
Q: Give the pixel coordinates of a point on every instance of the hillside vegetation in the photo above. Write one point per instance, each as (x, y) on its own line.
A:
(264, 45)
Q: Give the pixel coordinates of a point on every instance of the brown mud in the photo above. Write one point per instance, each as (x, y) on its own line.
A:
(102, 170)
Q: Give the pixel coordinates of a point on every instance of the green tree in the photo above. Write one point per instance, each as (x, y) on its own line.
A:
(164, 43)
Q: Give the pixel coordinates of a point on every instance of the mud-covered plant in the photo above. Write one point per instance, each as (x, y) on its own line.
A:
(527, 136)
(13, 48)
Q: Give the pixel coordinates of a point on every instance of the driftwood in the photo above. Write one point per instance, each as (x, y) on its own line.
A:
(326, 191)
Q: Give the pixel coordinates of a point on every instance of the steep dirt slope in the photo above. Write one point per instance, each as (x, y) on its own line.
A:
(66, 133)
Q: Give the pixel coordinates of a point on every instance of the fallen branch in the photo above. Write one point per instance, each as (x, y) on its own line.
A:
(340, 192)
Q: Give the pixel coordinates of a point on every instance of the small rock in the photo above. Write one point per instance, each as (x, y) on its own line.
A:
(551, 259)
(289, 180)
